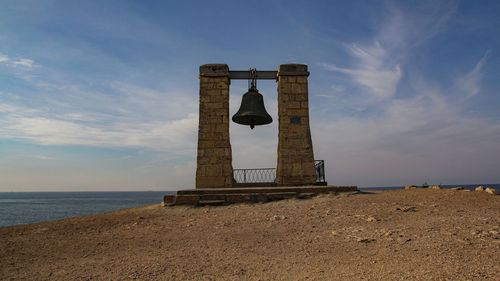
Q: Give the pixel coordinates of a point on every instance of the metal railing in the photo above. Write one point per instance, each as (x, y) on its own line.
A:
(268, 175)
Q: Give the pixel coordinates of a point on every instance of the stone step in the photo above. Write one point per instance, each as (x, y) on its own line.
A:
(220, 196)
(211, 202)
(299, 189)
(208, 197)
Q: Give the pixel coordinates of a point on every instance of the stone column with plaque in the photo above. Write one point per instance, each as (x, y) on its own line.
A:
(295, 165)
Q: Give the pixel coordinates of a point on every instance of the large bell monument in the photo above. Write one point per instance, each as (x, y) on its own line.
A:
(296, 173)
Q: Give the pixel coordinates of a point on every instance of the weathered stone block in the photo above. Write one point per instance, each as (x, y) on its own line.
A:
(293, 104)
(209, 182)
(236, 198)
(292, 70)
(187, 199)
(169, 199)
(214, 70)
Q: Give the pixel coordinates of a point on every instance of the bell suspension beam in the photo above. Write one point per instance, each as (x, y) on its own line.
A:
(257, 74)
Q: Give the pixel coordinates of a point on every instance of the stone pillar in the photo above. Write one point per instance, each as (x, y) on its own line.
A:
(295, 165)
(214, 162)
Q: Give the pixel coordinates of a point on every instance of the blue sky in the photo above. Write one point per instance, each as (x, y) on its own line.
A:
(103, 95)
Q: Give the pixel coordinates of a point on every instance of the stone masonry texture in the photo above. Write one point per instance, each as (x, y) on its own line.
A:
(214, 160)
(295, 165)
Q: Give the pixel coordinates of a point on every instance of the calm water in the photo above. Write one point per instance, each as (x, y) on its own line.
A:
(31, 207)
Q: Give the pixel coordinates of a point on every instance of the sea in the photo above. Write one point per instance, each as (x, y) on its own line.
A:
(32, 207)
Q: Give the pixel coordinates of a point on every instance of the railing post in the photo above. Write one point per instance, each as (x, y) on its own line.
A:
(324, 172)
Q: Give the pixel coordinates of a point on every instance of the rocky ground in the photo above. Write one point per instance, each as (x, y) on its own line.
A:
(380, 235)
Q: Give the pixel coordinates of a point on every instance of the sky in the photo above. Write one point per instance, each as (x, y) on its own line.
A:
(103, 95)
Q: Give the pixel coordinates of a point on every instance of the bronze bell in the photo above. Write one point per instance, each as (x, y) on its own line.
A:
(252, 111)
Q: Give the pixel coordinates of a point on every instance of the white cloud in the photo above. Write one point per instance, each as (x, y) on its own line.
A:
(7, 108)
(176, 135)
(23, 62)
(420, 133)
(43, 157)
(378, 66)
(412, 141)
(3, 58)
(130, 117)
(371, 70)
(15, 110)
(20, 62)
(469, 84)
(404, 30)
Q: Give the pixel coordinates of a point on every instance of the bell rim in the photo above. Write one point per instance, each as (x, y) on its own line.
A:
(258, 120)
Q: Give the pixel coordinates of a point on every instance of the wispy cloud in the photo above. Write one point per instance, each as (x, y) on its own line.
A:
(3, 58)
(43, 157)
(129, 116)
(417, 133)
(20, 62)
(24, 62)
(371, 69)
(404, 30)
(379, 67)
(425, 137)
(468, 85)
(173, 135)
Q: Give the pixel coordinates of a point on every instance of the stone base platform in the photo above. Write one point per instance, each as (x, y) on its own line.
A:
(222, 196)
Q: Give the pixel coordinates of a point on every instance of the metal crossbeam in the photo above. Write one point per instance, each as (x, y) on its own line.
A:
(260, 74)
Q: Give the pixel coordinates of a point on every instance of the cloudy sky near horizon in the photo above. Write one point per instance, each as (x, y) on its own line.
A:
(103, 95)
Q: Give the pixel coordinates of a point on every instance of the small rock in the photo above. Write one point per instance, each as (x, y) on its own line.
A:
(365, 240)
(480, 188)
(334, 233)
(410, 187)
(278, 218)
(40, 230)
(407, 209)
(458, 188)
(140, 218)
(475, 232)
(494, 232)
(330, 211)
(492, 191)
(371, 219)
(403, 240)
(388, 233)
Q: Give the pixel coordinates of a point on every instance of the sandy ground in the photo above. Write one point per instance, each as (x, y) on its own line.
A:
(380, 235)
